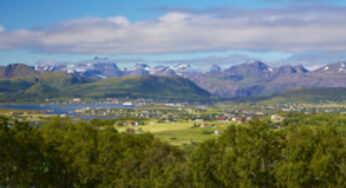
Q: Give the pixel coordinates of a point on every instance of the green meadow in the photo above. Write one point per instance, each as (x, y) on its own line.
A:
(180, 133)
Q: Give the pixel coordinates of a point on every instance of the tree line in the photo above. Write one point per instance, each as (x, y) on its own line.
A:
(61, 153)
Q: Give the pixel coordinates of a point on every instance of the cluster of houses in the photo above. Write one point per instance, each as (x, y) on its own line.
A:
(243, 119)
(197, 114)
(200, 114)
(276, 118)
(134, 131)
(170, 112)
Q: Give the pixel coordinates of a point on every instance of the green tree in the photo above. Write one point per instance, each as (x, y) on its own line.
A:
(312, 157)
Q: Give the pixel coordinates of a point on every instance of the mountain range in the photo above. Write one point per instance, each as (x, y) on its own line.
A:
(247, 79)
(256, 80)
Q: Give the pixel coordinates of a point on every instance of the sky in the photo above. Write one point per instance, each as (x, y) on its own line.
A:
(203, 32)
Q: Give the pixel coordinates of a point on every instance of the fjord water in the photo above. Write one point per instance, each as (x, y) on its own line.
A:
(59, 109)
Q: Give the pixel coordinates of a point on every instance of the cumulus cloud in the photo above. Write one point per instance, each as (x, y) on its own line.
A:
(288, 29)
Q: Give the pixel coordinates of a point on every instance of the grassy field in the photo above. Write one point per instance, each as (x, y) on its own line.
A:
(181, 133)
(176, 133)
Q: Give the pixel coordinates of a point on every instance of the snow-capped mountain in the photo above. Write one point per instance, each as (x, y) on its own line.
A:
(44, 68)
(334, 68)
(255, 78)
(250, 78)
(99, 70)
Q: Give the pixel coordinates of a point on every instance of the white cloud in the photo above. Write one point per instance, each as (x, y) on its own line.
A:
(289, 30)
(119, 20)
(174, 17)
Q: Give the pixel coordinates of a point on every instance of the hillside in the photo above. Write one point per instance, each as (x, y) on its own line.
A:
(61, 80)
(61, 85)
(309, 95)
(160, 87)
(17, 70)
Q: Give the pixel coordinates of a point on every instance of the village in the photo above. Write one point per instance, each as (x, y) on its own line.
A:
(178, 123)
(239, 113)
(143, 109)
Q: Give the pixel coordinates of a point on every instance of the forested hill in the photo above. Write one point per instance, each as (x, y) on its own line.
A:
(62, 85)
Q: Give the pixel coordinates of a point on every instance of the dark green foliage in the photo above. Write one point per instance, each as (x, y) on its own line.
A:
(65, 154)
(22, 157)
(312, 158)
(242, 157)
(258, 156)
(297, 119)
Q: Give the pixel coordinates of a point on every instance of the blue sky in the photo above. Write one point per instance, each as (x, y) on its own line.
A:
(40, 30)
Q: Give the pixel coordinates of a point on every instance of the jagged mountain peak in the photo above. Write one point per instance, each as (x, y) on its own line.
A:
(258, 64)
(250, 68)
(182, 66)
(292, 69)
(215, 69)
(287, 68)
(139, 66)
(301, 68)
(255, 62)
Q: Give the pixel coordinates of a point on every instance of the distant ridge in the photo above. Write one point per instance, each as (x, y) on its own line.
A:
(257, 78)
(309, 95)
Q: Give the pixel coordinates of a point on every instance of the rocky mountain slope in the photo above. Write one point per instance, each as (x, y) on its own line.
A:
(257, 78)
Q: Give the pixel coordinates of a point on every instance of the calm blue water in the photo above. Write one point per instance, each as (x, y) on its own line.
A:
(68, 109)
